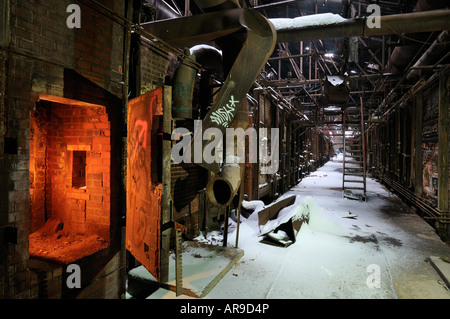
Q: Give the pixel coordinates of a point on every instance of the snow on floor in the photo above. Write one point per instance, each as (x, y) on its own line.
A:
(365, 256)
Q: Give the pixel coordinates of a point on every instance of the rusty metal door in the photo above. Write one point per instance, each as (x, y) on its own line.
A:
(144, 191)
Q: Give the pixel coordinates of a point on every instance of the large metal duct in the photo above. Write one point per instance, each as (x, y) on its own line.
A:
(223, 187)
(437, 50)
(252, 38)
(259, 42)
(401, 56)
(189, 31)
(336, 27)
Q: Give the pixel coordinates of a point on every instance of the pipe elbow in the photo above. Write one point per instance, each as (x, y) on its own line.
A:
(222, 188)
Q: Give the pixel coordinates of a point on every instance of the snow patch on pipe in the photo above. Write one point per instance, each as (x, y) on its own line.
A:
(307, 21)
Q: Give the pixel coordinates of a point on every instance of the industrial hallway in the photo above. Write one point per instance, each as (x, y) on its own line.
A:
(224, 149)
(335, 250)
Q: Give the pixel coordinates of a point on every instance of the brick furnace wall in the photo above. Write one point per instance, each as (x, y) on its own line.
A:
(36, 51)
(82, 202)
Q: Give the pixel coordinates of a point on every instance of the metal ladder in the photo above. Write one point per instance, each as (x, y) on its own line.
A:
(354, 157)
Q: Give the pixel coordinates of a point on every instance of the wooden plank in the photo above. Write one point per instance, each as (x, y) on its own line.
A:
(272, 211)
(442, 267)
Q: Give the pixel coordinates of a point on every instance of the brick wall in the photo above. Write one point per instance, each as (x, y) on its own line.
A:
(38, 155)
(153, 66)
(39, 30)
(34, 60)
(98, 48)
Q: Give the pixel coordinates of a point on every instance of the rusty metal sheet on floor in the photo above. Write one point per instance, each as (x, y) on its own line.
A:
(144, 192)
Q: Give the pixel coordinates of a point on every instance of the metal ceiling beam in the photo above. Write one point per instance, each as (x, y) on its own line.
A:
(297, 56)
(300, 84)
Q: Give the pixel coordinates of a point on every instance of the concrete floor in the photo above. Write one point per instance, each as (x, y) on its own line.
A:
(333, 262)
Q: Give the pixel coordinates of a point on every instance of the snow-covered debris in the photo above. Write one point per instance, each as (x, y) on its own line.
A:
(295, 211)
(254, 205)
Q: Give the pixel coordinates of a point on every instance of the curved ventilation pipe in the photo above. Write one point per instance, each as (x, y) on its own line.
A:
(184, 78)
(223, 187)
(259, 42)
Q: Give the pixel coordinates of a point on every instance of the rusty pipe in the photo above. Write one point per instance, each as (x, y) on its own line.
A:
(183, 89)
(189, 31)
(439, 47)
(209, 57)
(402, 55)
(184, 78)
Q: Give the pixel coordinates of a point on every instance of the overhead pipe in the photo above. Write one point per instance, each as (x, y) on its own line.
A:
(439, 47)
(402, 55)
(189, 31)
(436, 20)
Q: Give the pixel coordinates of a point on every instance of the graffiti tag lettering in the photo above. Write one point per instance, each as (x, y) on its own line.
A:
(224, 114)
